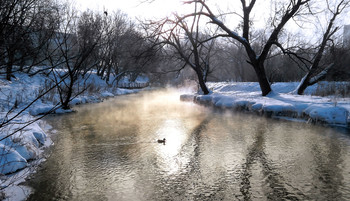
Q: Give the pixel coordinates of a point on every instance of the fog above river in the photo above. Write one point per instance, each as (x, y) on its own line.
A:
(109, 151)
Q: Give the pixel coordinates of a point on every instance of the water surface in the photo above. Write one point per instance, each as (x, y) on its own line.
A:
(108, 151)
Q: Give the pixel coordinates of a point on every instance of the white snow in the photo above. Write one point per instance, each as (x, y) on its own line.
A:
(21, 152)
(281, 102)
(11, 160)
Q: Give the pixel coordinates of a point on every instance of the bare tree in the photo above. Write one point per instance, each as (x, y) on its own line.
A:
(318, 69)
(184, 37)
(255, 59)
(73, 47)
(26, 27)
(116, 26)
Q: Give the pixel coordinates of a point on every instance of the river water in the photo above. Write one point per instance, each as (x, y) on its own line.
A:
(109, 151)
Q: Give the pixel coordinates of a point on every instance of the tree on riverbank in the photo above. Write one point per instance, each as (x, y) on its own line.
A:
(76, 43)
(319, 66)
(256, 58)
(187, 44)
(260, 48)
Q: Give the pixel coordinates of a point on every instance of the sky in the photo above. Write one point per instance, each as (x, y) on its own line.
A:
(150, 9)
(134, 8)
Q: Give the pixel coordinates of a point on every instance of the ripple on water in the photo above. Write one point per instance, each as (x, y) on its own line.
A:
(108, 151)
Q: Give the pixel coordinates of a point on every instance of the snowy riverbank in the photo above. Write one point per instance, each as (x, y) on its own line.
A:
(22, 151)
(281, 103)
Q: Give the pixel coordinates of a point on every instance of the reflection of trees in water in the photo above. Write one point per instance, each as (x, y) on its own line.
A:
(327, 178)
(187, 184)
(275, 184)
(190, 183)
(60, 172)
(82, 150)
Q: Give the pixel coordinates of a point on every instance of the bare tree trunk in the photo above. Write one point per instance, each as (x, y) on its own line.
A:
(68, 94)
(65, 104)
(8, 71)
(108, 73)
(9, 65)
(316, 66)
(303, 84)
(262, 79)
(201, 81)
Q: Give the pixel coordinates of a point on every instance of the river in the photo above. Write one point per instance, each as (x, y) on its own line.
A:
(109, 151)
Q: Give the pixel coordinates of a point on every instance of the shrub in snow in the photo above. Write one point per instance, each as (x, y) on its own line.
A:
(10, 160)
(243, 105)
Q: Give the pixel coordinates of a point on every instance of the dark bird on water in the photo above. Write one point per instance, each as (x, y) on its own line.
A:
(105, 13)
(161, 141)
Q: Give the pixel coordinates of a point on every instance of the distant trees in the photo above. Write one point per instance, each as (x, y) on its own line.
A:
(122, 49)
(70, 44)
(112, 51)
(341, 69)
(25, 28)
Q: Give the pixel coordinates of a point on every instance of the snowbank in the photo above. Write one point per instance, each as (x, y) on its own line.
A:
(281, 102)
(20, 154)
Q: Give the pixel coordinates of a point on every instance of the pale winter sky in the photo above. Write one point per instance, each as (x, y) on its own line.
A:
(148, 9)
(134, 8)
(162, 8)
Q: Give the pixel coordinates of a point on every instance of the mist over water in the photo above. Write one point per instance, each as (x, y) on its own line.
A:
(109, 151)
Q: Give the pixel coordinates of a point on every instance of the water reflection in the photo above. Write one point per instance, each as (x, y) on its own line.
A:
(108, 151)
(175, 134)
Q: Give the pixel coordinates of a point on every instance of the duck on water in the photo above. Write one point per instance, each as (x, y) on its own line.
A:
(161, 141)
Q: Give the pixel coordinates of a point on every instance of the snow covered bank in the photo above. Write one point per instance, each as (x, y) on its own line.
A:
(282, 102)
(23, 139)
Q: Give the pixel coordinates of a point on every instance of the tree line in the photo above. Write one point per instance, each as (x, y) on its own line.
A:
(70, 44)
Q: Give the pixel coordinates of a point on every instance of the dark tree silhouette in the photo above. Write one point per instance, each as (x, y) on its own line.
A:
(255, 59)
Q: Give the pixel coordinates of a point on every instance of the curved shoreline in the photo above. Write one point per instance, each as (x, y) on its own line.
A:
(307, 113)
